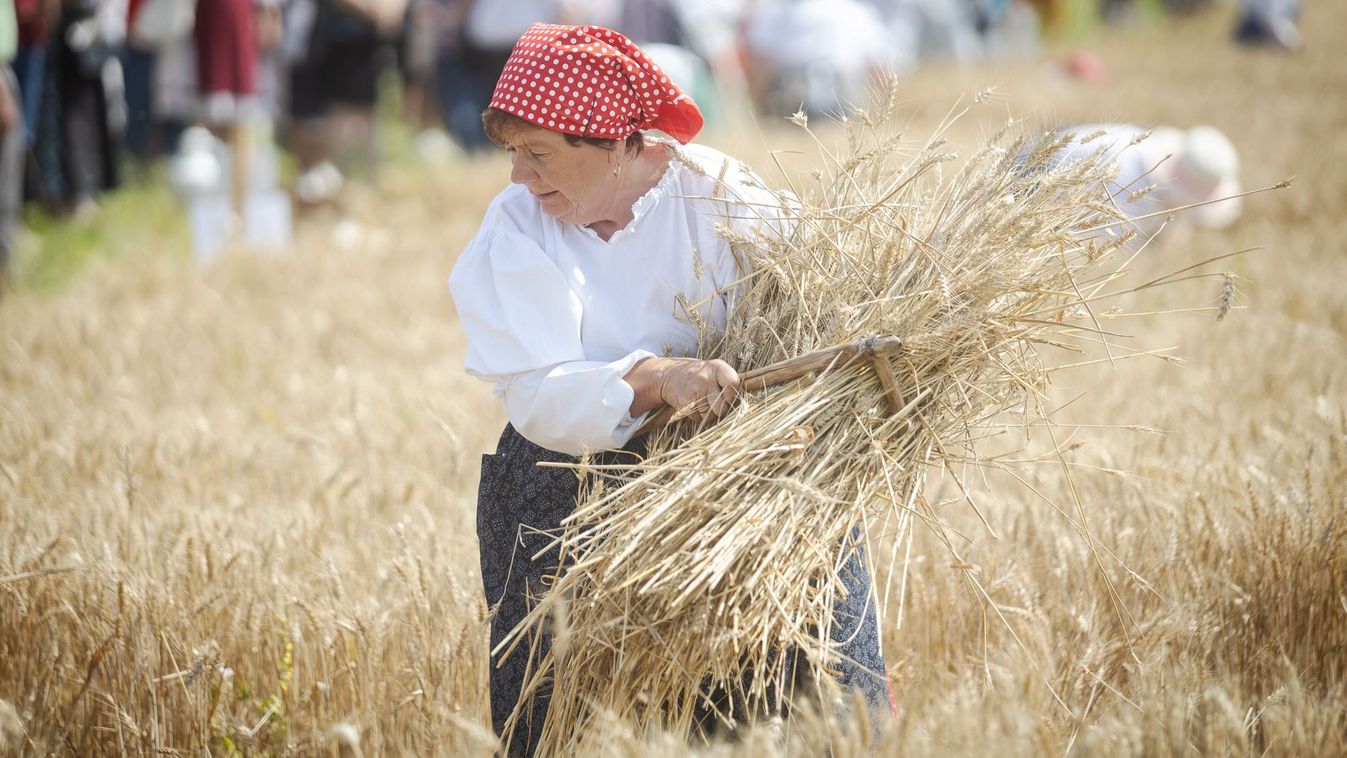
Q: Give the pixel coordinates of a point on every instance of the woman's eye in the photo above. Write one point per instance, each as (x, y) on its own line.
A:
(527, 153)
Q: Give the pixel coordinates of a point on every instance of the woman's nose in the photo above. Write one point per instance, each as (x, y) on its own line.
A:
(520, 171)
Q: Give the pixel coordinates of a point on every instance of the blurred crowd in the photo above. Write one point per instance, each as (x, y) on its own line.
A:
(92, 83)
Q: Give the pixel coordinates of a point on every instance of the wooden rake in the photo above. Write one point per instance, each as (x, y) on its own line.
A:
(879, 350)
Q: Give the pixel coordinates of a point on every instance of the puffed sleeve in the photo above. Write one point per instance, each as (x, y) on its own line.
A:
(515, 306)
(523, 325)
(576, 406)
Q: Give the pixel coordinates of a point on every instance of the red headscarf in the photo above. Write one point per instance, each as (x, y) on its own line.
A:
(591, 82)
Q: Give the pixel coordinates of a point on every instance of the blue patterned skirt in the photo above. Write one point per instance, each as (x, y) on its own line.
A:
(519, 503)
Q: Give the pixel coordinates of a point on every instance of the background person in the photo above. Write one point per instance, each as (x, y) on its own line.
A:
(833, 48)
(11, 142)
(35, 20)
(1269, 23)
(334, 88)
(226, 73)
(466, 71)
(1180, 168)
(167, 28)
(138, 60)
(82, 110)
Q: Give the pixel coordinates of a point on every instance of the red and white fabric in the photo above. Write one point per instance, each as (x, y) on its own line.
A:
(591, 82)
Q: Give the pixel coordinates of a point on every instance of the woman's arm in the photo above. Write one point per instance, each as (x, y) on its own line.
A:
(677, 382)
(590, 405)
(573, 406)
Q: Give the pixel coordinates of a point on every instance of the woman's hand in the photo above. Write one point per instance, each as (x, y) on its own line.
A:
(712, 386)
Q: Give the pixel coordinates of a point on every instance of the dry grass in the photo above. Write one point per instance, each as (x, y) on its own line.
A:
(738, 530)
(204, 473)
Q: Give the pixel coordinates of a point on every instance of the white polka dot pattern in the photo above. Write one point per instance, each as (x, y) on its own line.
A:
(591, 82)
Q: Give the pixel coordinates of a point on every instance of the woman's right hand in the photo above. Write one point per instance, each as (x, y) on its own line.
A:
(711, 387)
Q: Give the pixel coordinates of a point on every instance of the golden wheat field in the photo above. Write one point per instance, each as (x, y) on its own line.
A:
(237, 502)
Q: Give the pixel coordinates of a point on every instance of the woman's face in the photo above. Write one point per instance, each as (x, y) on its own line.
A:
(576, 184)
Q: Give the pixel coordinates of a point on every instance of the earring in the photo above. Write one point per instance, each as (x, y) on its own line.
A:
(617, 170)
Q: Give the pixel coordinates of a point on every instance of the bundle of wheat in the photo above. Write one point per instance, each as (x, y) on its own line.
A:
(720, 551)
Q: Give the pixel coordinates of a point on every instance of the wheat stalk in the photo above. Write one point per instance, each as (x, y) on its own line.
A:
(719, 552)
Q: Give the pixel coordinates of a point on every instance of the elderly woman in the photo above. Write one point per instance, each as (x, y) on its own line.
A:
(579, 297)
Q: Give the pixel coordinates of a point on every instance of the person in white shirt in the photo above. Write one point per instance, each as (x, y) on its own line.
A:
(1162, 170)
(581, 297)
(1273, 23)
(816, 55)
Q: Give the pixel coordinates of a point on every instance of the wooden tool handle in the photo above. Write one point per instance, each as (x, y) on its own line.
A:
(794, 368)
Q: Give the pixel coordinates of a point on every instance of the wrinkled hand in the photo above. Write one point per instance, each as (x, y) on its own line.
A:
(709, 387)
(698, 389)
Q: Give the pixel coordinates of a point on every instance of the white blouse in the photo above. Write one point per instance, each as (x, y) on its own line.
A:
(556, 316)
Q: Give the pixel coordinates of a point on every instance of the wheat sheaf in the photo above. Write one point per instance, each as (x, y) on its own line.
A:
(718, 553)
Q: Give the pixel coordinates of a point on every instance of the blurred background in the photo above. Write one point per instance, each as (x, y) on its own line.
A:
(254, 112)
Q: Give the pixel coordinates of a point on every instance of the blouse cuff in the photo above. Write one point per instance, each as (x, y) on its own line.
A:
(575, 406)
(628, 426)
